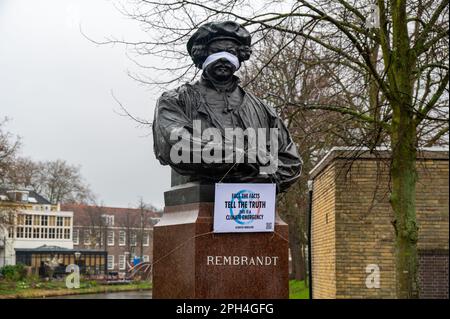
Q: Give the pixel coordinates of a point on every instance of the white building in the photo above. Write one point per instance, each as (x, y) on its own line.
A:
(27, 220)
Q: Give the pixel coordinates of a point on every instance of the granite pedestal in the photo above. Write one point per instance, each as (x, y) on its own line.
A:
(192, 262)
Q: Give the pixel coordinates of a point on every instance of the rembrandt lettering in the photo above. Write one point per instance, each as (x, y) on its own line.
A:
(241, 260)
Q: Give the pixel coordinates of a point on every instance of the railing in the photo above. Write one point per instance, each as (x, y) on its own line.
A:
(143, 269)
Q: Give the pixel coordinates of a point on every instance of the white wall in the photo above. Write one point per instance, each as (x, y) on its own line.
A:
(8, 254)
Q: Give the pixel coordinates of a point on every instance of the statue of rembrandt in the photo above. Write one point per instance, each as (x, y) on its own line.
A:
(213, 130)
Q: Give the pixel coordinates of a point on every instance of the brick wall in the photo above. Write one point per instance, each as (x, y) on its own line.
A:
(363, 233)
(117, 249)
(323, 236)
(96, 222)
(433, 274)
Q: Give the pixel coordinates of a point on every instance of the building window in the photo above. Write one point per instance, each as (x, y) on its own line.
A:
(87, 237)
(59, 221)
(27, 232)
(28, 220)
(66, 221)
(19, 232)
(44, 221)
(96, 237)
(59, 233)
(110, 262)
(35, 232)
(108, 220)
(146, 258)
(51, 233)
(100, 235)
(21, 220)
(76, 238)
(110, 238)
(122, 238)
(146, 239)
(122, 264)
(11, 232)
(52, 221)
(133, 238)
(44, 232)
(67, 233)
(36, 220)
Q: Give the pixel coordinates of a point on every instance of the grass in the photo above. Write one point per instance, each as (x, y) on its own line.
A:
(298, 290)
(10, 290)
(58, 288)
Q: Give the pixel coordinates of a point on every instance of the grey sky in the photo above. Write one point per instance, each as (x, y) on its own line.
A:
(55, 86)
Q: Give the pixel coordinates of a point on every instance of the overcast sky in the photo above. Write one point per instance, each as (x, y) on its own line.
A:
(55, 86)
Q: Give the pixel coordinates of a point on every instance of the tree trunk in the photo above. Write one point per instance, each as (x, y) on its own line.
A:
(306, 265)
(298, 264)
(404, 151)
(142, 246)
(403, 175)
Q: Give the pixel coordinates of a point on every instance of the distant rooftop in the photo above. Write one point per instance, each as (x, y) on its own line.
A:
(57, 249)
(84, 214)
(26, 196)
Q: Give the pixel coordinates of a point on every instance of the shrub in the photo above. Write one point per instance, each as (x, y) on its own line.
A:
(14, 272)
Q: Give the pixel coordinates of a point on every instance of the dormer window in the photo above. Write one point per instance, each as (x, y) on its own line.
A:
(18, 196)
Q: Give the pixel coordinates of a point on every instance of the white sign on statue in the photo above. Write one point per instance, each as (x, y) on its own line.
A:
(244, 208)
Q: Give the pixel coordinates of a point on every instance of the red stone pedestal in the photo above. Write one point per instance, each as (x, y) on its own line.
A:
(192, 262)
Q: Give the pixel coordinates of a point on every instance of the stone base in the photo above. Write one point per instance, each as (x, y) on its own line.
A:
(192, 262)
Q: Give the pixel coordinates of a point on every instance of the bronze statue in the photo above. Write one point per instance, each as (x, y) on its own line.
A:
(217, 101)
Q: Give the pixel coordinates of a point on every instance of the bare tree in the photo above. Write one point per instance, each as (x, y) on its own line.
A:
(26, 173)
(58, 181)
(144, 223)
(9, 146)
(296, 75)
(98, 225)
(127, 223)
(62, 182)
(135, 223)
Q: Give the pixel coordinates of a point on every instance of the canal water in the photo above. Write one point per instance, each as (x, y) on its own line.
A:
(145, 294)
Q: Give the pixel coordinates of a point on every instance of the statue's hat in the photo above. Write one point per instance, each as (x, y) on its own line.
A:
(212, 31)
